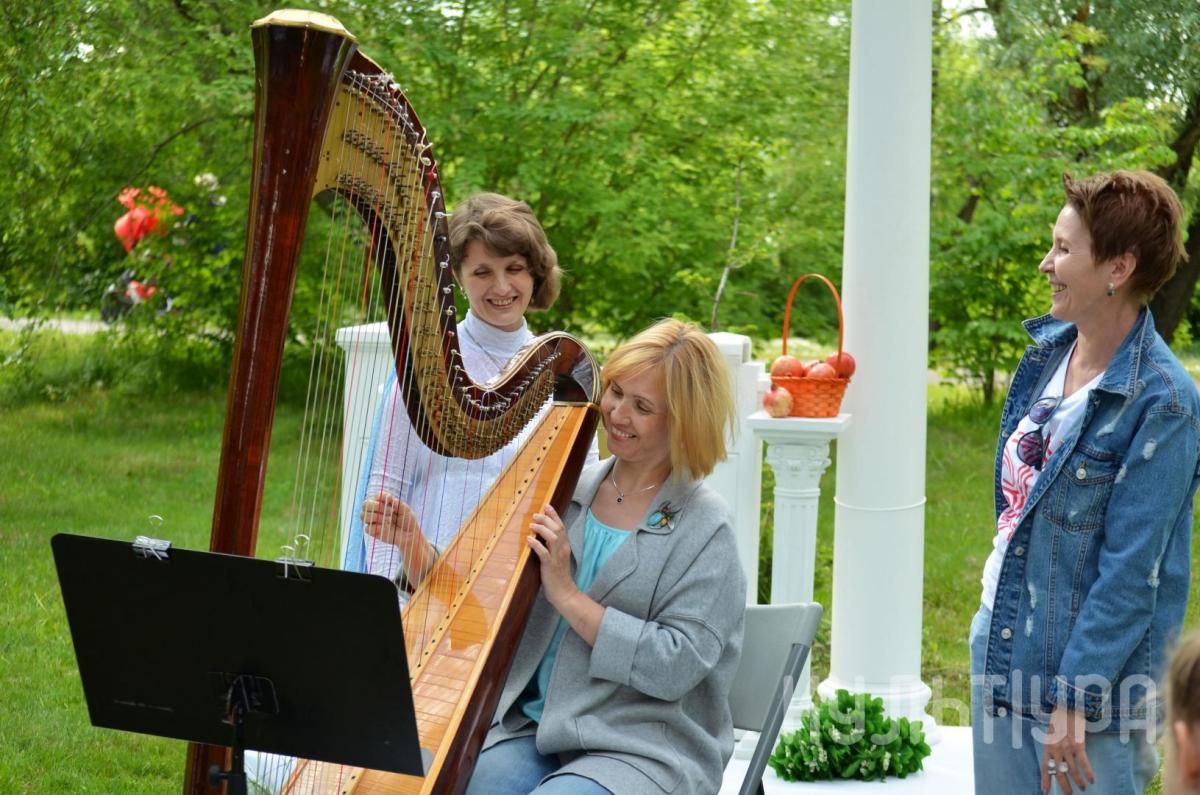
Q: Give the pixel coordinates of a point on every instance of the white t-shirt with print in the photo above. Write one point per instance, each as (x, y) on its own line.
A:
(1018, 478)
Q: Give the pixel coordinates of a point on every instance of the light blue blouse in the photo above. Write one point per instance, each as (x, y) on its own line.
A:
(599, 543)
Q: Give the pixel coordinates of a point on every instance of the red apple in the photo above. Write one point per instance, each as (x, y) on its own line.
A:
(778, 402)
(787, 367)
(842, 362)
(822, 370)
(808, 366)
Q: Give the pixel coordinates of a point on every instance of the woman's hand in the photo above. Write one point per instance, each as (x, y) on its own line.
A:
(390, 520)
(1064, 757)
(549, 542)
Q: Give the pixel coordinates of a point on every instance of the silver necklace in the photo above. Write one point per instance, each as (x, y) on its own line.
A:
(612, 475)
(499, 364)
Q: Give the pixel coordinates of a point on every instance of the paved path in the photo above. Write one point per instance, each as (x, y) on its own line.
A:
(65, 326)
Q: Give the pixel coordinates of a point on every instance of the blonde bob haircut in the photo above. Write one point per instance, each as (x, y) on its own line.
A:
(695, 378)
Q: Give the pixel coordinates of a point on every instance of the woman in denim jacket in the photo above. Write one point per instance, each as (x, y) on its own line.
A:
(1096, 469)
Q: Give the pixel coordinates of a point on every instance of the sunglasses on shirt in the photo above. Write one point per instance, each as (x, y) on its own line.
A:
(1031, 448)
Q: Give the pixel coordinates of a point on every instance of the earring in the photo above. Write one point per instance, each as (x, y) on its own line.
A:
(1111, 290)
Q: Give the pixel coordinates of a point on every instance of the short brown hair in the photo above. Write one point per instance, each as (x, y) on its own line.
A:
(1135, 212)
(507, 227)
(696, 380)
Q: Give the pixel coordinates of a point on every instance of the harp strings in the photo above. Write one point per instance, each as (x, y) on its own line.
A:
(396, 185)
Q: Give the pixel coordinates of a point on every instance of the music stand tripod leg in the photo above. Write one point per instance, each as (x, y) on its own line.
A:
(246, 694)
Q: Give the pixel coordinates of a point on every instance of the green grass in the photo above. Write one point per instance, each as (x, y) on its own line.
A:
(100, 464)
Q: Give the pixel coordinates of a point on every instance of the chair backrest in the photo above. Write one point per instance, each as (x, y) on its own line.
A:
(777, 641)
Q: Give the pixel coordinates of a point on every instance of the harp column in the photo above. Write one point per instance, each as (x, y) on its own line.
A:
(879, 526)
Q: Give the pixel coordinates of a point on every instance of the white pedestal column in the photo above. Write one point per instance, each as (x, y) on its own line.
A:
(878, 558)
(798, 453)
(368, 366)
(739, 477)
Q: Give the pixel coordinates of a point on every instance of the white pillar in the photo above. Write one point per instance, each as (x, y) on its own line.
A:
(878, 560)
(798, 452)
(368, 366)
(739, 478)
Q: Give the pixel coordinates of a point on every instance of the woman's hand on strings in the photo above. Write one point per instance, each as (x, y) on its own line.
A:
(550, 543)
(390, 520)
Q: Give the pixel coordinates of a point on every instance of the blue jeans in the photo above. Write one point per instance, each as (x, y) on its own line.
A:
(515, 767)
(1008, 750)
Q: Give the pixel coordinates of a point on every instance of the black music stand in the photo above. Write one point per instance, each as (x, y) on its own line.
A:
(282, 657)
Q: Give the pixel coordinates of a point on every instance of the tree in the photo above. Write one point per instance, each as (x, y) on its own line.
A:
(1138, 60)
(1011, 114)
(622, 123)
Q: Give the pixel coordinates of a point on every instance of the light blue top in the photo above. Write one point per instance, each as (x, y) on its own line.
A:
(599, 543)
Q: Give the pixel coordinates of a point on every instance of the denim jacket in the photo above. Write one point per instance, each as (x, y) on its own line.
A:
(1094, 583)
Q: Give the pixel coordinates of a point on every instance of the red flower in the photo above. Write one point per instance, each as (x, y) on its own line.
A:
(143, 215)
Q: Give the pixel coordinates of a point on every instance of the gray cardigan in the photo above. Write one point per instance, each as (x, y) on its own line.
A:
(646, 709)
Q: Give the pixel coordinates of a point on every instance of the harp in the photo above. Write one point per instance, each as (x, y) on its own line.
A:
(329, 121)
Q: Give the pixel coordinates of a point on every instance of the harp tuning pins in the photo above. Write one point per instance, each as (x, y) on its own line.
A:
(439, 214)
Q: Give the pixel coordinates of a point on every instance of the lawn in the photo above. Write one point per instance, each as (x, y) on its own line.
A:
(99, 463)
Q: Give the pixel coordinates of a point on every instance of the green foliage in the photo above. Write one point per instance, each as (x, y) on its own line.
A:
(1012, 112)
(624, 125)
(628, 126)
(98, 97)
(850, 738)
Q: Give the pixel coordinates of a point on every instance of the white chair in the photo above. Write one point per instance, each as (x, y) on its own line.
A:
(777, 641)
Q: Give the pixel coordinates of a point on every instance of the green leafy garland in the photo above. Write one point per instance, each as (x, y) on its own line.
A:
(850, 739)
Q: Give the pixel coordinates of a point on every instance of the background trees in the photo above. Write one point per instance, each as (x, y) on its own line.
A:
(1043, 87)
(639, 130)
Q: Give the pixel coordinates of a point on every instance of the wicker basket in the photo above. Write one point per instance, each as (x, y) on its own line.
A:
(813, 397)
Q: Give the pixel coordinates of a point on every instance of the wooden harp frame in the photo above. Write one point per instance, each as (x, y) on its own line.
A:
(307, 65)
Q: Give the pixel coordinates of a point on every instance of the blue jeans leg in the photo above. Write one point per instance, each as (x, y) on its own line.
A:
(570, 784)
(1005, 758)
(1008, 750)
(511, 768)
(1124, 763)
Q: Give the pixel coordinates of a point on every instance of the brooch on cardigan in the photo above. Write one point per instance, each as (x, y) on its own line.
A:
(663, 516)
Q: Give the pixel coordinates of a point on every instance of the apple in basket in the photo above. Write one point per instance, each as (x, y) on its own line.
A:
(822, 370)
(842, 362)
(787, 367)
(778, 402)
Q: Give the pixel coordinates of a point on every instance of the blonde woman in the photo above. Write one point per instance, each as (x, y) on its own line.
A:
(620, 684)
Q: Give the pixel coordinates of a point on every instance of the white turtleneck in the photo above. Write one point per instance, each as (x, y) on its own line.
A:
(442, 491)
